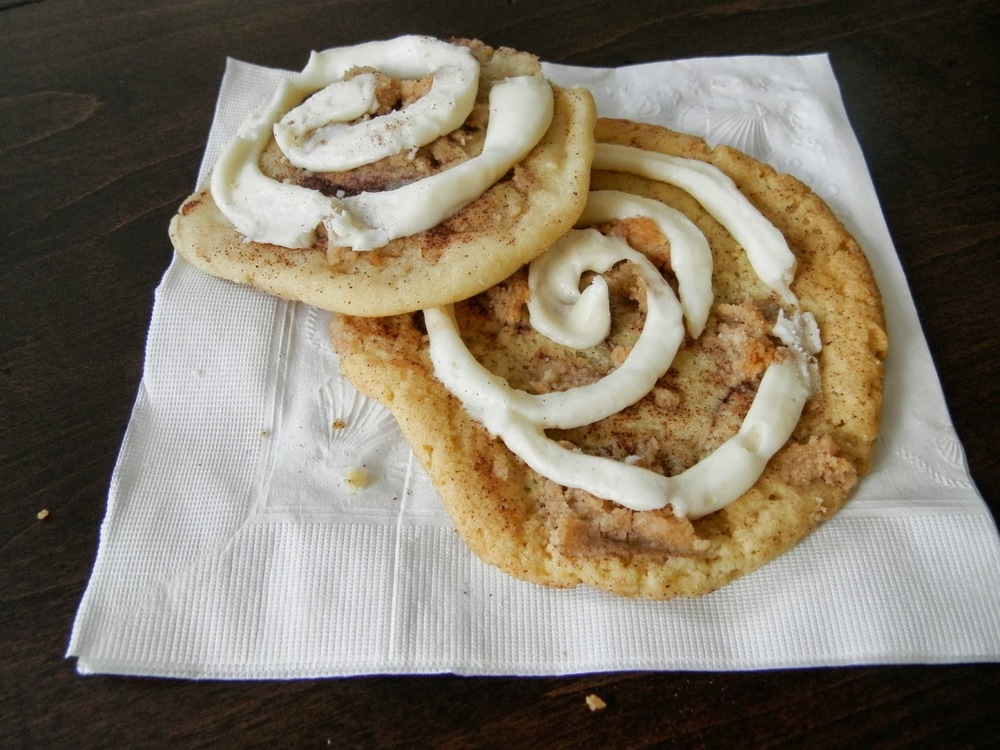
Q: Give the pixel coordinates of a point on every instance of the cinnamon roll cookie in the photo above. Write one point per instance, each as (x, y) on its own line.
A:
(679, 389)
(395, 175)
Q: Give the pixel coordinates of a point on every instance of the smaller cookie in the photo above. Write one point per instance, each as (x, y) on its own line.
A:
(393, 176)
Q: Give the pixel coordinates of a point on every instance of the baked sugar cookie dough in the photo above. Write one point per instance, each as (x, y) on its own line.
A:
(342, 226)
(558, 535)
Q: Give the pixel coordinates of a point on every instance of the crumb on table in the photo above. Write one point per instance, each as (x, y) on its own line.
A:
(595, 702)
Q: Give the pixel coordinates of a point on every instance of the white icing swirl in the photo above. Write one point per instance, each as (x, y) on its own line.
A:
(765, 246)
(315, 135)
(266, 210)
(690, 255)
(520, 113)
(487, 396)
(559, 310)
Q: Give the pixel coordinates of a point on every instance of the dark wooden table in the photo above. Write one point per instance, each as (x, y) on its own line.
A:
(104, 109)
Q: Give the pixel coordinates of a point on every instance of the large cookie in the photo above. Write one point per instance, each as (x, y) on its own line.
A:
(546, 532)
(508, 224)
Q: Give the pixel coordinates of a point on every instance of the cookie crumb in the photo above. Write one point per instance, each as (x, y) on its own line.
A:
(339, 424)
(595, 703)
(357, 478)
(42, 514)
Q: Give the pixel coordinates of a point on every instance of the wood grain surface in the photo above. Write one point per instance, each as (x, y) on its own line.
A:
(104, 110)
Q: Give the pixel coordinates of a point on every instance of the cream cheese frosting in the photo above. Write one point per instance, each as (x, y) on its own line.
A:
(321, 131)
(579, 319)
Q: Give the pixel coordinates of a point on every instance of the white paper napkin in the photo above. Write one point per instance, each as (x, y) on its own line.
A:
(234, 546)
